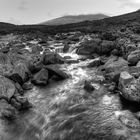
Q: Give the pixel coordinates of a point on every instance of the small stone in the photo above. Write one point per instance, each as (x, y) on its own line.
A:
(88, 86)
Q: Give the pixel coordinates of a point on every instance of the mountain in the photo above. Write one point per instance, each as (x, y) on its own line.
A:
(74, 19)
(130, 20)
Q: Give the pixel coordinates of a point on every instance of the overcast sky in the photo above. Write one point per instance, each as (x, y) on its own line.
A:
(36, 11)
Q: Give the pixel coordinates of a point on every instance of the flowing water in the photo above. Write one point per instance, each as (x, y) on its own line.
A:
(63, 110)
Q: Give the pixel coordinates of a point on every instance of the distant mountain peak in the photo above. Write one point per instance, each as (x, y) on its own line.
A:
(74, 19)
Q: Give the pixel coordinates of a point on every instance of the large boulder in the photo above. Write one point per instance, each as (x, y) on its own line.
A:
(129, 87)
(88, 86)
(115, 64)
(5, 64)
(20, 103)
(17, 55)
(95, 63)
(41, 78)
(66, 47)
(35, 64)
(20, 73)
(55, 70)
(37, 49)
(89, 47)
(52, 58)
(7, 111)
(113, 67)
(7, 88)
(134, 57)
(128, 120)
(107, 46)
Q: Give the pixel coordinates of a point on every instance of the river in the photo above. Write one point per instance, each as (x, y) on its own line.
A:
(63, 110)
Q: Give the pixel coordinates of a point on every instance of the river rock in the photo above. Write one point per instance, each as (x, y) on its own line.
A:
(89, 47)
(52, 58)
(88, 86)
(138, 64)
(41, 78)
(7, 88)
(6, 66)
(115, 64)
(129, 87)
(113, 67)
(95, 63)
(134, 57)
(27, 86)
(128, 120)
(66, 47)
(107, 46)
(7, 111)
(20, 73)
(35, 65)
(20, 103)
(37, 49)
(55, 70)
(22, 70)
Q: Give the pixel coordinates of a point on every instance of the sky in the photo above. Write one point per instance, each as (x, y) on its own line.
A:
(37, 11)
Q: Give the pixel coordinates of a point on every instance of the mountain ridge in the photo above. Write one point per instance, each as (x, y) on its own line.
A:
(74, 19)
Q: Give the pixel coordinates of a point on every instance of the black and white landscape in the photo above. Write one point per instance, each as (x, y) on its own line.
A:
(76, 77)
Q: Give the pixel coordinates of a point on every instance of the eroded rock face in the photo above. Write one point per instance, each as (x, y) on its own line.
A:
(134, 57)
(7, 88)
(129, 87)
(41, 78)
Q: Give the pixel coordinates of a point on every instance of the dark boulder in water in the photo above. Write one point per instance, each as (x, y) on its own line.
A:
(89, 47)
(52, 58)
(88, 86)
(55, 70)
(41, 78)
(66, 47)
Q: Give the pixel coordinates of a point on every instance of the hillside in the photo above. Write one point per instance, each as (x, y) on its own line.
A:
(86, 26)
(74, 19)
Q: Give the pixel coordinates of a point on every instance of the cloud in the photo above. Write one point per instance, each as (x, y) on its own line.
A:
(23, 5)
(130, 3)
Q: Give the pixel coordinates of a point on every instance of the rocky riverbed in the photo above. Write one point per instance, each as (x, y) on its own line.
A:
(68, 87)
